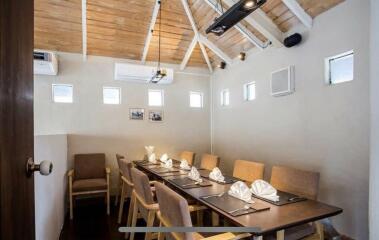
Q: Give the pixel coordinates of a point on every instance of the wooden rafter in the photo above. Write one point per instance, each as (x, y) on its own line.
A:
(206, 57)
(150, 32)
(203, 40)
(259, 20)
(188, 53)
(299, 12)
(242, 29)
(84, 29)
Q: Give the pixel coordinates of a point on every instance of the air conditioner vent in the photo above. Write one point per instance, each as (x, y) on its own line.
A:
(45, 63)
(283, 82)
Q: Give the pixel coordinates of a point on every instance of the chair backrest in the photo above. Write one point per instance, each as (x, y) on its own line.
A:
(248, 170)
(299, 182)
(174, 210)
(209, 161)
(142, 186)
(89, 166)
(125, 167)
(188, 156)
(118, 158)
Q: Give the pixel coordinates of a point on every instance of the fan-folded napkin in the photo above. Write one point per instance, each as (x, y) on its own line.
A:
(216, 175)
(184, 165)
(195, 175)
(263, 189)
(241, 191)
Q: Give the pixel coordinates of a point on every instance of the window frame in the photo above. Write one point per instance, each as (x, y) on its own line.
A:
(65, 85)
(119, 95)
(328, 68)
(162, 97)
(201, 98)
(222, 93)
(246, 91)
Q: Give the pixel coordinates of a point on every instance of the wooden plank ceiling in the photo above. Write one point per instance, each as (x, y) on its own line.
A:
(118, 28)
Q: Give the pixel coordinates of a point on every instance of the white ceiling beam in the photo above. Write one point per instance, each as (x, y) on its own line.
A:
(260, 21)
(84, 29)
(215, 49)
(242, 29)
(151, 29)
(299, 12)
(206, 57)
(188, 54)
(203, 40)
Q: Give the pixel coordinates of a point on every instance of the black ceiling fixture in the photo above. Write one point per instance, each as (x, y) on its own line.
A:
(233, 15)
(160, 73)
(221, 65)
(242, 56)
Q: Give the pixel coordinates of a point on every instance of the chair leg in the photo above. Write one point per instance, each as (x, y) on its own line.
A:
(199, 215)
(134, 219)
(122, 201)
(71, 207)
(108, 202)
(160, 235)
(280, 235)
(130, 213)
(215, 219)
(150, 223)
(118, 190)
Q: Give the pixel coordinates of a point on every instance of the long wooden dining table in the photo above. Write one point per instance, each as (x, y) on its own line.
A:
(274, 219)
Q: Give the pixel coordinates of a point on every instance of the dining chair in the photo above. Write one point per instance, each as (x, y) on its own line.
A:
(304, 184)
(188, 156)
(248, 171)
(118, 158)
(175, 211)
(90, 176)
(209, 161)
(126, 189)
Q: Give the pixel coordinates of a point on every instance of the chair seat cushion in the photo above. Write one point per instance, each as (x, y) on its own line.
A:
(89, 185)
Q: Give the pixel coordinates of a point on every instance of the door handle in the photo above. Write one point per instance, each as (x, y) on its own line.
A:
(44, 168)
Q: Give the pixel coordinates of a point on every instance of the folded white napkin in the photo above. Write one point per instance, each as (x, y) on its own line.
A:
(152, 158)
(167, 164)
(241, 191)
(184, 165)
(164, 157)
(263, 189)
(216, 175)
(195, 175)
(149, 151)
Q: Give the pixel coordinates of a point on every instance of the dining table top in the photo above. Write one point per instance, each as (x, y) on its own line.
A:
(274, 219)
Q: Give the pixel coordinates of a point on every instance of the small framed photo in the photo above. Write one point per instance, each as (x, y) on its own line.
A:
(156, 116)
(136, 113)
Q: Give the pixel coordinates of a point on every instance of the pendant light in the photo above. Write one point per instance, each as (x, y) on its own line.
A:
(160, 73)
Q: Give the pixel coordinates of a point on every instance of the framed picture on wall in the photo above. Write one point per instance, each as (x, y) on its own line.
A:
(156, 116)
(136, 113)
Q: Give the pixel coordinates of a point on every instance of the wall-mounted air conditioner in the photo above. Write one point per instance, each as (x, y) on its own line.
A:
(140, 73)
(283, 81)
(45, 63)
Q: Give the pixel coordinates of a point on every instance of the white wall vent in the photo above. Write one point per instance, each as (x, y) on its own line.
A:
(45, 63)
(283, 81)
(140, 73)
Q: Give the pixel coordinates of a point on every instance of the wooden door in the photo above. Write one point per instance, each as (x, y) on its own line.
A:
(16, 119)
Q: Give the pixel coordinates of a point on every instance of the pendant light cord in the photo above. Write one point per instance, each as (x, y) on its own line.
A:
(159, 36)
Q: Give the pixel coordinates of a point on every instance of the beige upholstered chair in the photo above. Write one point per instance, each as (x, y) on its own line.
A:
(126, 189)
(248, 171)
(209, 161)
(188, 156)
(143, 199)
(89, 176)
(174, 211)
(304, 184)
(118, 158)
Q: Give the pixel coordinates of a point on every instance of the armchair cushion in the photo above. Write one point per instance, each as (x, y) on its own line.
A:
(89, 166)
(89, 184)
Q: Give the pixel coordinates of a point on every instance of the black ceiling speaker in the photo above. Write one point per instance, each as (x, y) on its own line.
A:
(292, 40)
(221, 65)
(233, 15)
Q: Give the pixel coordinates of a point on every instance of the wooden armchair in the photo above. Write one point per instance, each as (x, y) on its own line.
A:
(89, 177)
(174, 211)
(248, 171)
(118, 158)
(209, 161)
(188, 156)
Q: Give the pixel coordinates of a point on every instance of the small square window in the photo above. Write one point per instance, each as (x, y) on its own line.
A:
(62, 93)
(249, 91)
(225, 97)
(111, 95)
(196, 99)
(155, 98)
(340, 68)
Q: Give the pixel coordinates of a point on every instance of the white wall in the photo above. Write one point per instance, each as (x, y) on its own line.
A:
(50, 191)
(94, 127)
(374, 87)
(319, 128)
